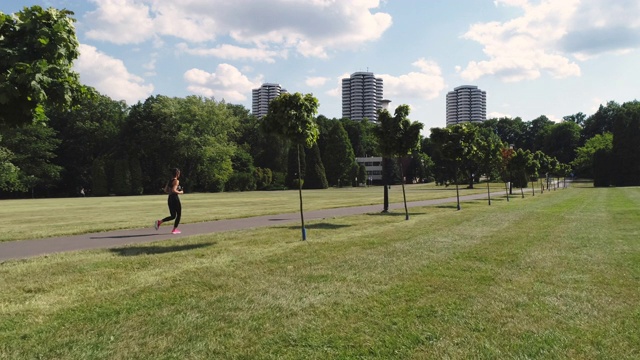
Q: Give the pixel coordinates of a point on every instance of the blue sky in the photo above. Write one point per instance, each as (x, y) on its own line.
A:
(549, 57)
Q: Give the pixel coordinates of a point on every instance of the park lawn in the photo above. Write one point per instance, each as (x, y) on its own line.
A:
(545, 277)
(42, 218)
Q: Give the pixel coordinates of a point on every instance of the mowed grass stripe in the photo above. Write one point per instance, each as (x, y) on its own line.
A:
(531, 278)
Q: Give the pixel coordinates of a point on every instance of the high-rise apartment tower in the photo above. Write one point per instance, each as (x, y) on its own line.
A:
(361, 96)
(262, 96)
(466, 103)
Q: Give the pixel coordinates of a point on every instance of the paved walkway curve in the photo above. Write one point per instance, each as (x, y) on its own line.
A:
(111, 239)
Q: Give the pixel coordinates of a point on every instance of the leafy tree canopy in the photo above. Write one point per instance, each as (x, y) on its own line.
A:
(37, 50)
(292, 117)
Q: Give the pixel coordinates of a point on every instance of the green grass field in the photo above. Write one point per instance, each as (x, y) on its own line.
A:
(554, 276)
(41, 218)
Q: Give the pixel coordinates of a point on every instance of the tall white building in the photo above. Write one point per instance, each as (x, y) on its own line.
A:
(361, 96)
(466, 103)
(262, 96)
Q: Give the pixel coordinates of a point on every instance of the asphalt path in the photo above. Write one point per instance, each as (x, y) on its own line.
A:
(23, 249)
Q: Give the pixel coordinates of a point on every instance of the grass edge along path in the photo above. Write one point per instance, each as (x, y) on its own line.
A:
(540, 277)
(29, 248)
(45, 218)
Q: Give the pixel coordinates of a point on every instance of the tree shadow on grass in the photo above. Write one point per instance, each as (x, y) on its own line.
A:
(155, 250)
(321, 226)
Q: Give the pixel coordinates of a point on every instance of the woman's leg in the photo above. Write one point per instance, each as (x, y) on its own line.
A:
(172, 209)
(178, 212)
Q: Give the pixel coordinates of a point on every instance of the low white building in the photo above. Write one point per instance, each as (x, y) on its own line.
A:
(373, 165)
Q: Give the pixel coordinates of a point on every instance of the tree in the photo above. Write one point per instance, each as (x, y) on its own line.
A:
(562, 141)
(337, 154)
(296, 168)
(506, 154)
(291, 116)
(602, 167)
(192, 133)
(456, 152)
(9, 180)
(600, 122)
(361, 136)
(88, 131)
(315, 177)
(532, 168)
(33, 147)
(37, 50)
(243, 177)
(520, 167)
(420, 167)
(626, 137)
(583, 163)
(511, 131)
(397, 137)
(546, 166)
(535, 133)
(578, 118)
(490, 159)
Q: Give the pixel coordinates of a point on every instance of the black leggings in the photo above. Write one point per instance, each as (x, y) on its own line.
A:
(175, 209)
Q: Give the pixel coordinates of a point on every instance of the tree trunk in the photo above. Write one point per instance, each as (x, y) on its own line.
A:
(457, 191)
(385, 206)
(488, 192)
(506, 189)
(304, 231)
(404, 196)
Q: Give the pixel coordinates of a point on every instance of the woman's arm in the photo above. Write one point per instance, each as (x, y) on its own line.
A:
(174, 188)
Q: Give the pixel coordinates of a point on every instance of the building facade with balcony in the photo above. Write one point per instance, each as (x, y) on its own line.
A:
(362, 96)
(465, 104)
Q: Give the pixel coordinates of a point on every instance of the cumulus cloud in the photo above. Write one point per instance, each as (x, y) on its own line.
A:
(311, 28)
(337, 91)
(231, 52)
(601, 26)
(226, 83)
(120, 22)
(315, 81)
(110, 76)
(427, 83)
(548, 34)
(524, 47)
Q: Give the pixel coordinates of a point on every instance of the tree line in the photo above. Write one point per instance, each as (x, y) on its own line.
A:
(58, 136)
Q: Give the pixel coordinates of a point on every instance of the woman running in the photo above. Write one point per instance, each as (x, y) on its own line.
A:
(175, 208)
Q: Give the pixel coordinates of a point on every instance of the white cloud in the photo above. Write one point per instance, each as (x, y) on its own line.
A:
(601, 27)
(549, 32)
(120, 22)
(231, 52)
(524, 47)
(316, 81)
(337, 91)
(110, 76)
(424, 84)
(312, 28)
(227, 83)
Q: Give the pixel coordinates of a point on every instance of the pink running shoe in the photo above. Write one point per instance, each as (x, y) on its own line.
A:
(176, 231)
(156, 224)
